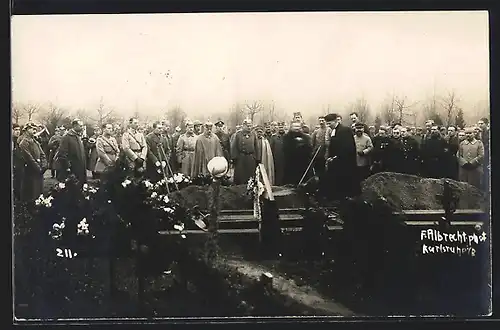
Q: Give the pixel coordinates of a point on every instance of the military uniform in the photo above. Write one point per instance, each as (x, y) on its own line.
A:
(185, 152)
(470, 159)
(134, 146)
(318, 139)
(244, 151)
(107, 152)
(35, 164)
(364, 147)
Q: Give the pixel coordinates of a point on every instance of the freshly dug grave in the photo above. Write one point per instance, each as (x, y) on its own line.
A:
(231, 197)
(409, 192)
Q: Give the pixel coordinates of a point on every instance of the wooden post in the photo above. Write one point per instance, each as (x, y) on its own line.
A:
(211, 245)
(269, 223)
(215, 208)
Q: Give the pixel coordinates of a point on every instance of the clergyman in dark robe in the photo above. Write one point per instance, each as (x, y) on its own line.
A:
(297, 149)
(340, 160)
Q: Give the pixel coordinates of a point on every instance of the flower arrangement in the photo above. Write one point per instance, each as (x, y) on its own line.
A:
(122, 207)
(255, 187)
(69, 213)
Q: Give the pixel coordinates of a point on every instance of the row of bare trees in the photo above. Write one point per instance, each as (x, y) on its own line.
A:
(444, 110)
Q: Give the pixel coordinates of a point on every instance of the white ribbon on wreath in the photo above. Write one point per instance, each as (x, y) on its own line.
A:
(258, 190)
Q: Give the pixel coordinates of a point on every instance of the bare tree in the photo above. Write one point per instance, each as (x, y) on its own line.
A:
(103, 114)
(83, 115)
(404, 110)
(253, 108)
(236, 114)
(30, 109)
(449, 104)
(53, 117)
(361, 107)
(176, 116)
(388, 112)
(459, 119)
(17, 112)
(431, 107)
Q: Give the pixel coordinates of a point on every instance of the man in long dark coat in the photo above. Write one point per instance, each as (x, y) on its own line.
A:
(224, 140)
(485, 138)
(173, 154)
(168, 144)
(434, 155)
(340, 160)
(54, 143)
(380, 154)
(35, 164)
(244, 152)
(155, 169)
(71, 155)
(451, 153)
(297, 149)
(411, 153)
(17, 163)
(276, 143)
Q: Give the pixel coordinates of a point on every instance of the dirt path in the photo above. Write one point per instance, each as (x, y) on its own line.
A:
(304, 295)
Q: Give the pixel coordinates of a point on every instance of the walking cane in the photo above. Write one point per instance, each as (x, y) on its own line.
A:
(310, 164)
(162, 169)
(168, 166)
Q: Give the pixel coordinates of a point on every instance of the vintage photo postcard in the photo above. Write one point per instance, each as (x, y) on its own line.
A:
(229, 165)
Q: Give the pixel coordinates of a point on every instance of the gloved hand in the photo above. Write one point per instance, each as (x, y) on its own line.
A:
(467, 166)
(139, 162)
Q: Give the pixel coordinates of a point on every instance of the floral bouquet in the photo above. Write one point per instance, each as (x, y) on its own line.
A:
(177, 181)
(70, 214)
(254, 187)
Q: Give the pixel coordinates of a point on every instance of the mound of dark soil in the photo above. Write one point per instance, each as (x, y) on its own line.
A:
(409, 192)
(231, 197)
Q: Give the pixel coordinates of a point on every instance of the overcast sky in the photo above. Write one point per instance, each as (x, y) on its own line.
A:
(302, 61)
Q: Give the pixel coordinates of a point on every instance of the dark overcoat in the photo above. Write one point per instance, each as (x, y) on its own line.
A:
(297, 149)
(35, 164)
(339, 181)
(156, 154)
(276, 143)
(72, 158)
